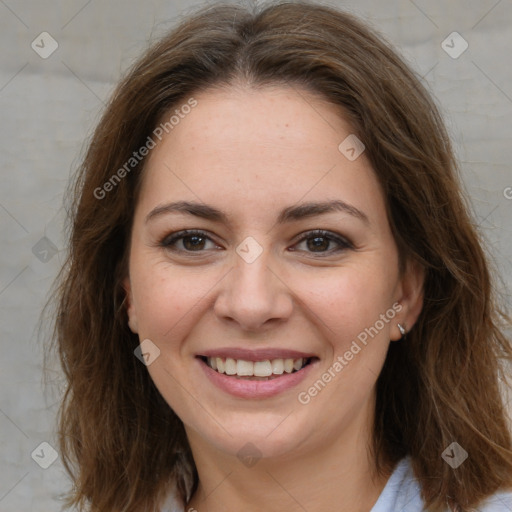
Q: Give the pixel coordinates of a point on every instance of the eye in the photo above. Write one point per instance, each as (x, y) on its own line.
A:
(318, 241)
(191, 241)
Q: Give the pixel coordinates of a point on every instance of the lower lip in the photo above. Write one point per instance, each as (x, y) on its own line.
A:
(243, 388)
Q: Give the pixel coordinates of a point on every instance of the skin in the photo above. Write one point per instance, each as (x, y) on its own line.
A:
(252, 153)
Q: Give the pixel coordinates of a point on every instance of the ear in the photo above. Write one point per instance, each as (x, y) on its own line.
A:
(130, 308)
(410, 296)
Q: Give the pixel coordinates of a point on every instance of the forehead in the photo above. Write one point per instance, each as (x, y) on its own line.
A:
(252, 149)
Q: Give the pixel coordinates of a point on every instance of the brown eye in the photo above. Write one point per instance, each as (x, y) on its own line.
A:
(191, 241)
(320, 241)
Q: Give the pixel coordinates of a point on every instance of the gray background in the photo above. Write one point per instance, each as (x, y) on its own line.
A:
(50, 106)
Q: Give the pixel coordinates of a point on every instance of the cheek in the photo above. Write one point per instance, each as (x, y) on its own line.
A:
(356, 314)
(348, 300)
(166, 299)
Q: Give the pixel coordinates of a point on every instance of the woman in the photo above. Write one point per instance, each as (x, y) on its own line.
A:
(275, 298)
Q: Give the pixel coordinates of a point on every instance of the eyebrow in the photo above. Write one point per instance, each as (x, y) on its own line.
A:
(288, 214)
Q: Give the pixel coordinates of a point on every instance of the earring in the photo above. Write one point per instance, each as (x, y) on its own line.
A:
(402, 330)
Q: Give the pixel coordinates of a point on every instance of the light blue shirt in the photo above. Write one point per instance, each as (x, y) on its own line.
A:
(401, 494)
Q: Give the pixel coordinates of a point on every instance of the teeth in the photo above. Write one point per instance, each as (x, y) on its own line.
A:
(230, 366)
(265, 368)
(277, 366)
(262, 368)
(245, 368)
(288, 365)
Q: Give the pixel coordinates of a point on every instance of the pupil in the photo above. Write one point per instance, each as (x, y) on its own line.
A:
(194, 244)
(317, 242)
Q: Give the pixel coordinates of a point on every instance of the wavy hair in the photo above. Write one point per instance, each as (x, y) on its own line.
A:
(122, 445)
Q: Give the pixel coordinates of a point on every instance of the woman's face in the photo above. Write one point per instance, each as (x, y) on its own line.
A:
(254, 289)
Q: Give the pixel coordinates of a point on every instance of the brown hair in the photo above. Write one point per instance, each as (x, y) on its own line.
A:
(120, 441)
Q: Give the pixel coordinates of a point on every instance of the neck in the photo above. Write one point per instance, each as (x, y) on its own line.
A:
(338, 475)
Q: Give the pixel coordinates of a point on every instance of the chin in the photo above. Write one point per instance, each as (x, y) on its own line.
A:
(258, 435)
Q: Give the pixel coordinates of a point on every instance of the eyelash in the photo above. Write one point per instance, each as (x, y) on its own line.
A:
(169, 241)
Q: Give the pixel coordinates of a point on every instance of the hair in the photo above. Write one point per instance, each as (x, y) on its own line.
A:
(120, 441)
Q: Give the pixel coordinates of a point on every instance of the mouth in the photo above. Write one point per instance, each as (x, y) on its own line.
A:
(262, 370)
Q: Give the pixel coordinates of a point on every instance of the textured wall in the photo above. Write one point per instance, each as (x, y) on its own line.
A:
(49, 106)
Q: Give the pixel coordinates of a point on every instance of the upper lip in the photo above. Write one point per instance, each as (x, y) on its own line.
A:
(259, 354)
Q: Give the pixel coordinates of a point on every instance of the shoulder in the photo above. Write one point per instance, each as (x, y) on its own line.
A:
(172, 502)
(499, 502)
(403, 493)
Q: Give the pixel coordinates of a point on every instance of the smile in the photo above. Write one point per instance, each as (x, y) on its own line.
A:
(266, 369)
(256, 374)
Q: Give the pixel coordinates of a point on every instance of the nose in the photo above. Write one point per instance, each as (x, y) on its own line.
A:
(254, 295)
